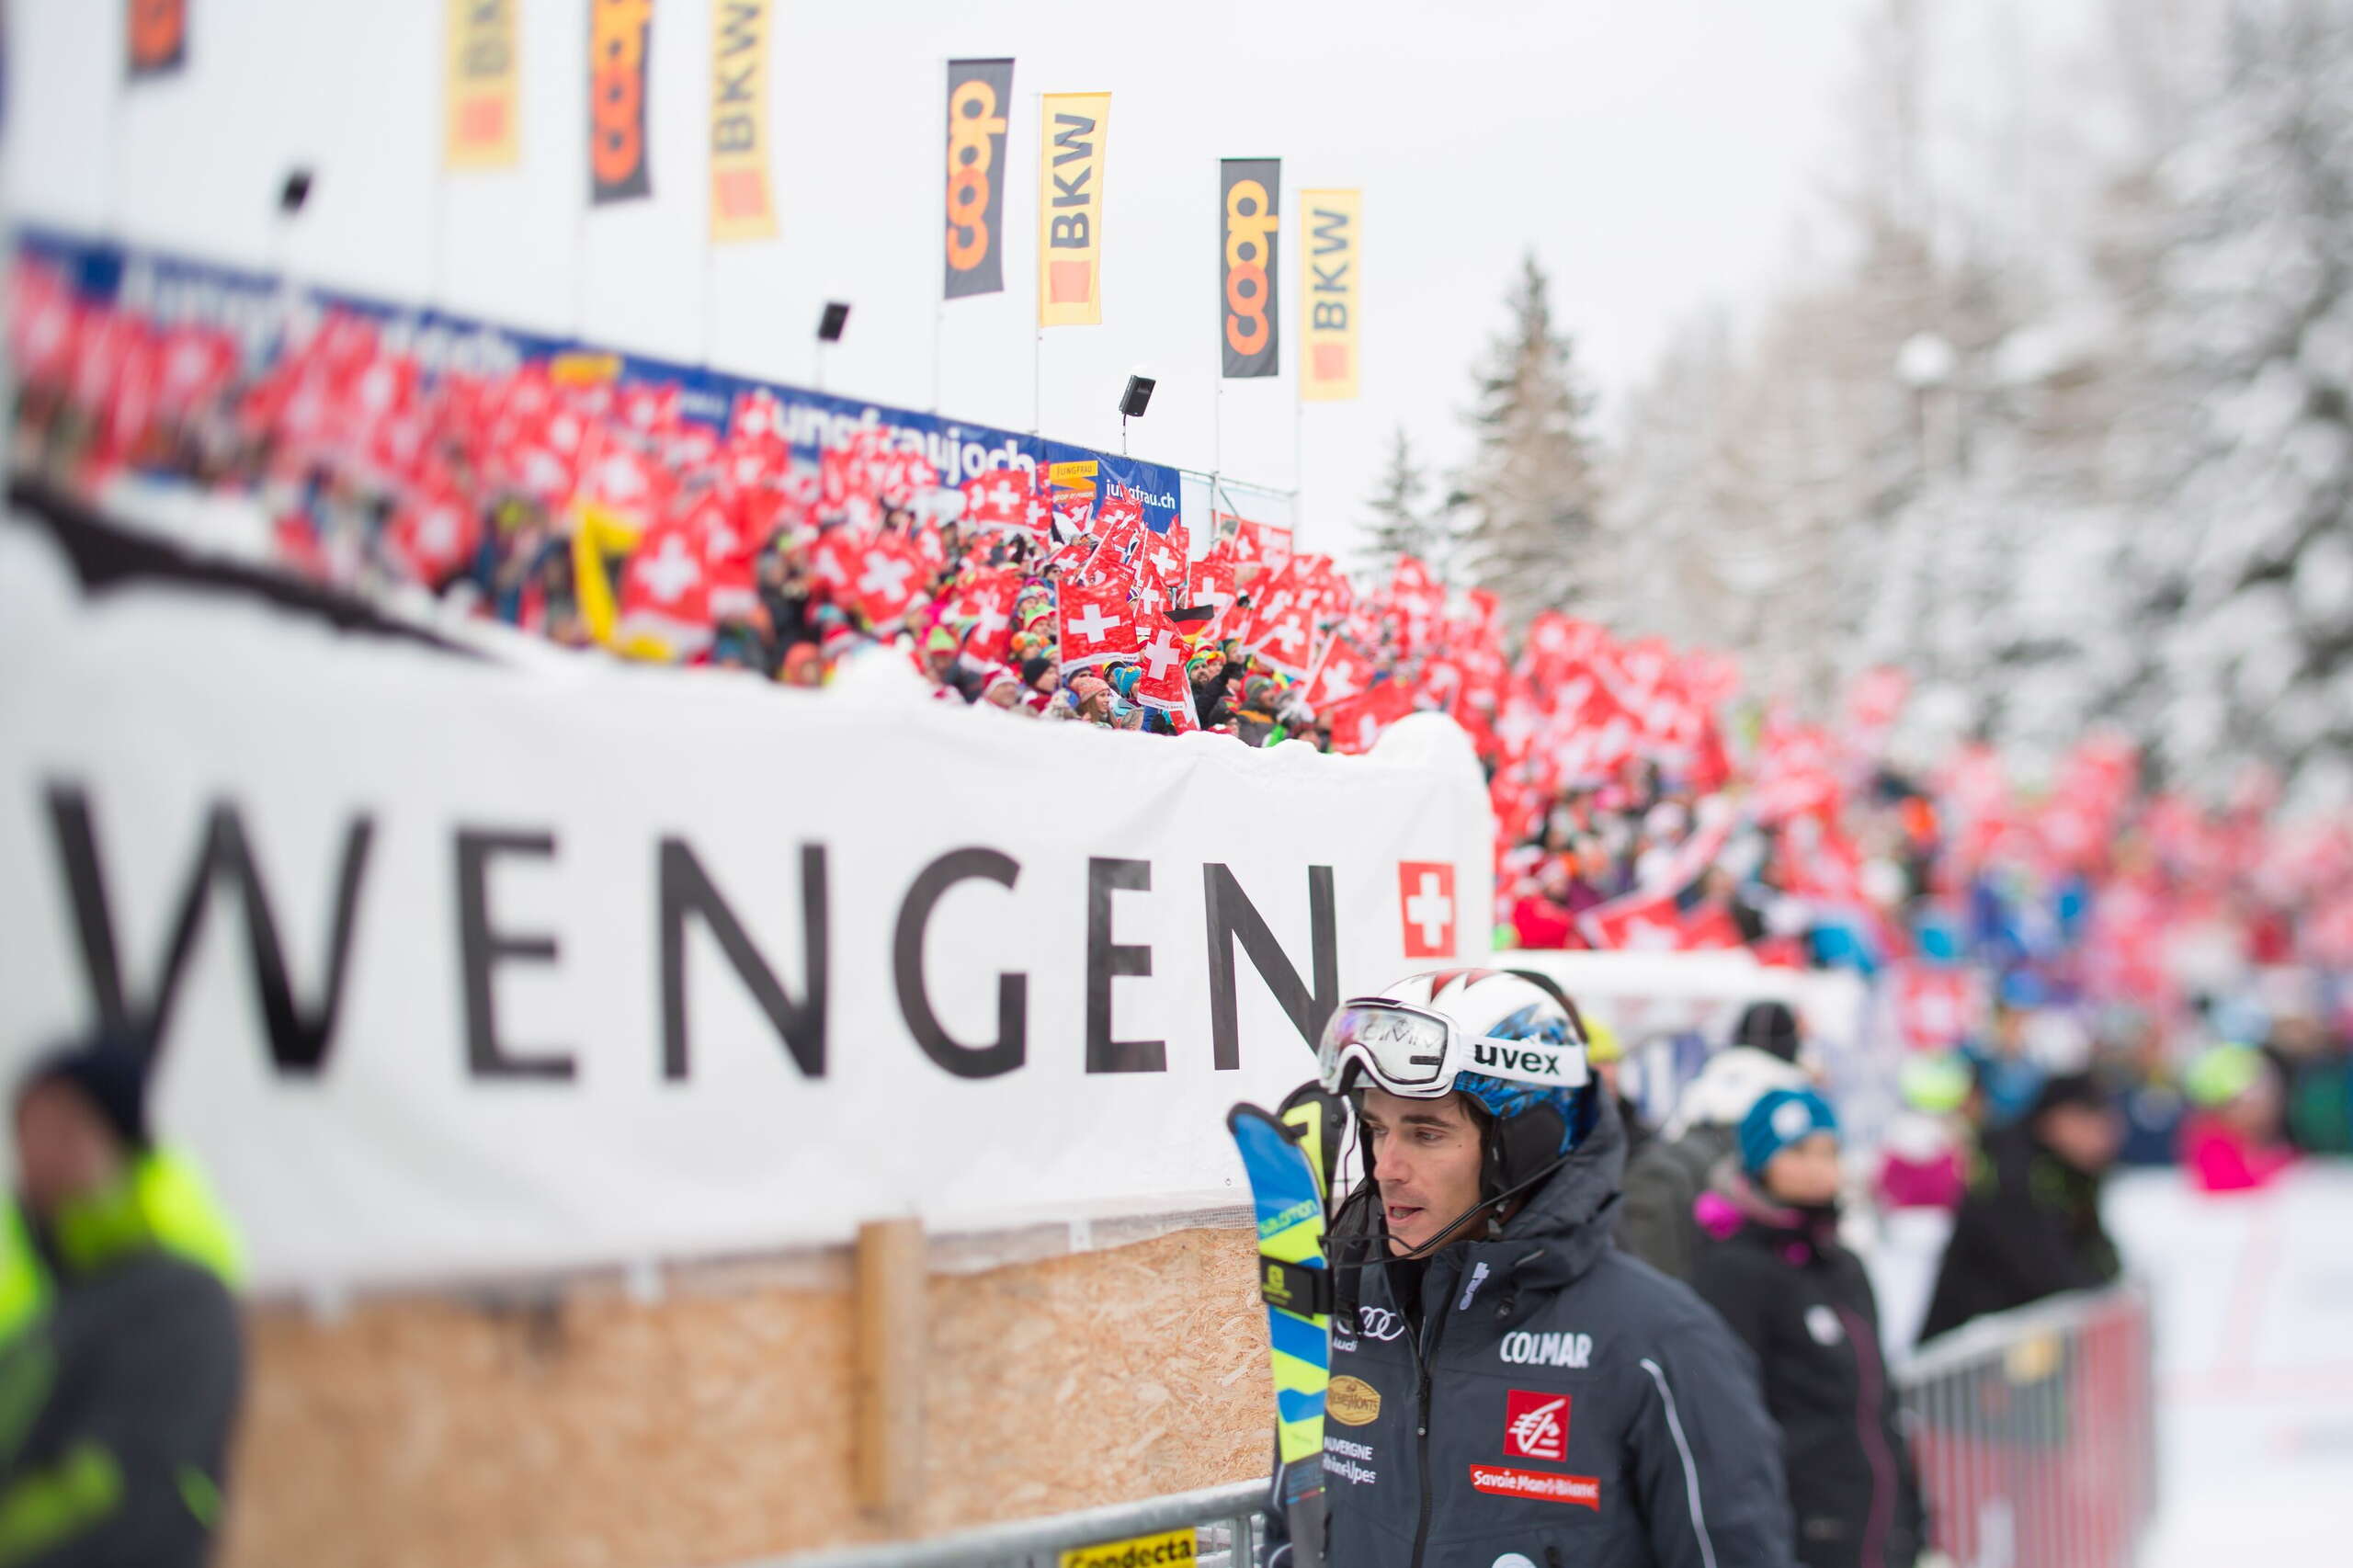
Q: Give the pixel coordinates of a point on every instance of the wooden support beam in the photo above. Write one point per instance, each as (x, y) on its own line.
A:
(889, 1307)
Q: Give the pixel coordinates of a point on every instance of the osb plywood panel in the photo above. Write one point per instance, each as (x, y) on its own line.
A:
(594, 1431)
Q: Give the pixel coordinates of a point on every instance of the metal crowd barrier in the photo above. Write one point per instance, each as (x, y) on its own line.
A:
(2033, 1431)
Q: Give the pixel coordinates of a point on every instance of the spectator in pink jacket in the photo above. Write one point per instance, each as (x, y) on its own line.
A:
(2231, 1143)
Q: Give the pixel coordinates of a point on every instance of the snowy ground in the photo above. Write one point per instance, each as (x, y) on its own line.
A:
(2253, 1295)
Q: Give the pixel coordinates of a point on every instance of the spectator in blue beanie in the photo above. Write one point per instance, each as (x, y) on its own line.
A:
(1779, 1275)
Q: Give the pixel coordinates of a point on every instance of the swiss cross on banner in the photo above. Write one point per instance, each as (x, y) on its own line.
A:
(1098, 625)
(1425, 905)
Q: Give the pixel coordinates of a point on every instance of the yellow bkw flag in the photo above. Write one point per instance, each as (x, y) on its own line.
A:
(741, 205)
(479, 90)
(1072, 128)
(1334, 221)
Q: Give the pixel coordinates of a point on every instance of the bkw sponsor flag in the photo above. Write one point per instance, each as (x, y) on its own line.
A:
(478, 94)
(979, 98)
(1071, 142)
(1327, 310)
(741, 205)
(1248, 321)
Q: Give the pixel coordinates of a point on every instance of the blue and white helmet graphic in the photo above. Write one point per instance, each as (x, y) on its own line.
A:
(1495, 1005)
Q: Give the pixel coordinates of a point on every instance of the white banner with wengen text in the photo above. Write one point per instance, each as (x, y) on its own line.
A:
(467, 966)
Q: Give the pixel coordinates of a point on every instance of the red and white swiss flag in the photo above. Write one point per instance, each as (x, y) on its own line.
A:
(1358, 722)
(666, 591)
(1426, 904)
(888, 580)
(998, 499)
(1345, 671)
(1165, 556)
(1935, 1007)
(1161, 652)
(1098, 625)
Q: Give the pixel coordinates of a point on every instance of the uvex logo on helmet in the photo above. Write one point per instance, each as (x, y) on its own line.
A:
(1549, 1064)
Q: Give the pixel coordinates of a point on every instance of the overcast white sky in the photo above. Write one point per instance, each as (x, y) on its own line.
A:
(1656, 156)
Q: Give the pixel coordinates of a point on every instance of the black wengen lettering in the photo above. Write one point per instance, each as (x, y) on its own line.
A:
(1011, 1047)
(685, 889)
(1232, 917)
(481, 949)
(1107, 961)
(300, 1039)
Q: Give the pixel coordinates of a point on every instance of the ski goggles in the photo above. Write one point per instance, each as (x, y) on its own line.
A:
(1418, 1053)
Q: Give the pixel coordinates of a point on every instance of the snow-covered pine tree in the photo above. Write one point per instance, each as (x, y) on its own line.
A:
(2255, 333)
(1530, 496)
(1400, 524)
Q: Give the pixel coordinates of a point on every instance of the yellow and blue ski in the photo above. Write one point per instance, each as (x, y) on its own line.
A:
(1286, 1163)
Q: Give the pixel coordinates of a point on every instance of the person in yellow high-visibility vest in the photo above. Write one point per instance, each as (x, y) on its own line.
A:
(120, 1357)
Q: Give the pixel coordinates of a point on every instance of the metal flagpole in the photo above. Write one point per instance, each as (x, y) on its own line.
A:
(1298, 465)
(1038, 343)
(939, 306)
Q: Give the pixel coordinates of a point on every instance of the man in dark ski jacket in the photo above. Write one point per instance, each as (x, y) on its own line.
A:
(1803, 1303)
(1526, 1394)
(2029, 1226)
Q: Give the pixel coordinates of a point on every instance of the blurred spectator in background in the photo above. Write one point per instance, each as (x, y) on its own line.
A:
(2029, 1226)
(2137, 1069)
(1928, 1150)
(1667, 1178)
(1606, 1057)
(2231, 1142)
(122, 1359)
(1775, 1270)
(2317, 1073)
(2006, 1069)
(1930, 1145)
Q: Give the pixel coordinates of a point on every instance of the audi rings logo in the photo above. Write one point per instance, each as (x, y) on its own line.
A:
(1379, 1323)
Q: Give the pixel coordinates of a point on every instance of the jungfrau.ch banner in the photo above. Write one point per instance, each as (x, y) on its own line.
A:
(464, 969)
(480, 86)
(980, 102)
(1329, 295)
(620, 38)
(1249, 191)
(742, 204)
(1072, 133)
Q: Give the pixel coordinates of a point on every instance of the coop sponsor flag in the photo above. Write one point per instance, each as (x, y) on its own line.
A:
(1248, 190)
(1070, 135)
(477, 95)
(620, 38)
(741, 206)
(1328, 371)
(156, 39)
(979, 98)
